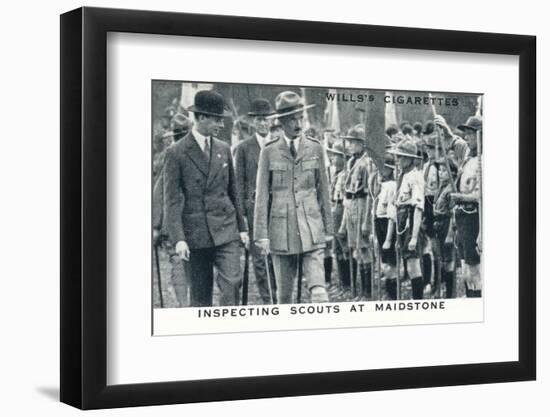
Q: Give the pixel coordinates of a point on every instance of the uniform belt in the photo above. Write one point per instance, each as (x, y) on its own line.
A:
(337, 201)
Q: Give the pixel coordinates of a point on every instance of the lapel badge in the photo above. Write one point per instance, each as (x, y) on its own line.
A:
(219, 156)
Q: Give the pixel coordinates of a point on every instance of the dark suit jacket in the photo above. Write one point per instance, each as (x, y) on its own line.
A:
(247, 155)
(201, 202)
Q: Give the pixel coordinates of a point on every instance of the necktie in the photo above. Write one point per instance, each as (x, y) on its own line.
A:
(207, 149)
(292, 149)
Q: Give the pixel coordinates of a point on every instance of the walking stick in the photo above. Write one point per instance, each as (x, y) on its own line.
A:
(300, 272)
(266, 260)
(245, 278)
(156, 249)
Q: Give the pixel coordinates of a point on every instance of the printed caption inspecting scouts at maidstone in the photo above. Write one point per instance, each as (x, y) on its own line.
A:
(275, 195)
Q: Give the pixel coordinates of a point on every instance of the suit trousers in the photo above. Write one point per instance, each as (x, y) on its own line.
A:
(286, 268)
(227, 260)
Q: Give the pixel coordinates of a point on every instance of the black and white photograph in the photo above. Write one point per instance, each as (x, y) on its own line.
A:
(301, 206)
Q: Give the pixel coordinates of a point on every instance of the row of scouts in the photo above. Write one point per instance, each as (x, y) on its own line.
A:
(416, 212)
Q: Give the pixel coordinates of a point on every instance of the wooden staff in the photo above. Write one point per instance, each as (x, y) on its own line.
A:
(158, 276)
(245, 278)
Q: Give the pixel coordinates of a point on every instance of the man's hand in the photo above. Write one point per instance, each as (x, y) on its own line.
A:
(263, 244)
(440, 122)
(412, 244)
(386, 245)
(182, 250)
(244, 239)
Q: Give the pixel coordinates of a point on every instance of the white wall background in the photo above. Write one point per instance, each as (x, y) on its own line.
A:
(29, 213)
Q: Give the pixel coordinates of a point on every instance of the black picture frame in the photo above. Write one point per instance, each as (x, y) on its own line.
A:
(84, 207)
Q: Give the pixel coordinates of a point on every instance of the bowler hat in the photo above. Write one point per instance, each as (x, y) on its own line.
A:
(261, 107)
(473, 123)
(405, 148)
(210, 103)
(288, 102)
(356, 132)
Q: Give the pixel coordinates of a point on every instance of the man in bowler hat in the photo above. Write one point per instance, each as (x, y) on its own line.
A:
(204, 216)
(292, 217)
(247, 155)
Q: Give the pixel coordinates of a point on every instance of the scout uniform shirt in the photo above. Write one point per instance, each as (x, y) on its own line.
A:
(469, 176)
(385, 198)
(430, 179)
(357, 197)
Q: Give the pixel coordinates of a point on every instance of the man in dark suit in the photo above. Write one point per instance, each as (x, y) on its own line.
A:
(247, 155)
(203, 212)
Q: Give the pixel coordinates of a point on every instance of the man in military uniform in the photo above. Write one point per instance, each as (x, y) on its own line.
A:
(203, 212)
(467, 208)
(340, 249)
(247, 155)
(292, 218)
(358, 207)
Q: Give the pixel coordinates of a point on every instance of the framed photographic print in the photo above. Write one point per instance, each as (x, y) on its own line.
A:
(246, 194)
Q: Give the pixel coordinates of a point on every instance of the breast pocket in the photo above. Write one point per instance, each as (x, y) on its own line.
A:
(279, 174)
(309, 169)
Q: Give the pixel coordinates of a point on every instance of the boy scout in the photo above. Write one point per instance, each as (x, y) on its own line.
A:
(443, 243)
(407, 212)
(340, 247)
(384, 233)
(358, 213)
(292, 217)
(467, 209)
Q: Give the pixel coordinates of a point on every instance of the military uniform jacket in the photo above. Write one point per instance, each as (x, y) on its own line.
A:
(292, 198)
(201, 203)
(247, 155)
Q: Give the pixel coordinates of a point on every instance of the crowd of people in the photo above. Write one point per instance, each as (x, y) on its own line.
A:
(322, 217)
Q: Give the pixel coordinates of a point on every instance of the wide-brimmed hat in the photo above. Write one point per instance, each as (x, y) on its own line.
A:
(261, 107)
(356, 132)
(405, 148)
(288, 102)
(473, 123)
(210, 103)
(337, 149)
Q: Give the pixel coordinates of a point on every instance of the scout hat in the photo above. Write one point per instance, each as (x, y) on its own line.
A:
(337, 149)
(405, 148)
(288, 102)
(473, 123)
(209, 103)
(261, 107)
(356, 132)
